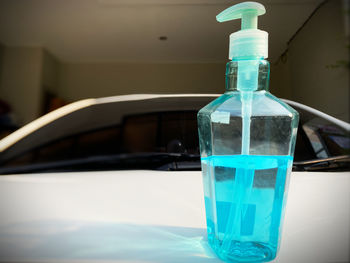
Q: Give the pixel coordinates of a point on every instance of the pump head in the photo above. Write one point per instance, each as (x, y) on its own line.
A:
(249, 42)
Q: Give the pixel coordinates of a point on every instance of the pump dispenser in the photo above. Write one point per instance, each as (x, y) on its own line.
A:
(247, 138)
(249, 41)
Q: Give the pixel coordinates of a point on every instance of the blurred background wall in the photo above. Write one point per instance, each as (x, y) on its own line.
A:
(21, 85)
(117, 78)
(313, 69)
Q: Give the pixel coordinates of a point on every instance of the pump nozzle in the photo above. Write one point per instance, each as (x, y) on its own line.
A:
(247, 11)
(249, 42)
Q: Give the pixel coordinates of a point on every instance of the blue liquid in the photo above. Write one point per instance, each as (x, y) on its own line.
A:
(244, 200)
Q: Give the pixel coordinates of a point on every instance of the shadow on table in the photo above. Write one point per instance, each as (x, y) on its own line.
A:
(71, 240)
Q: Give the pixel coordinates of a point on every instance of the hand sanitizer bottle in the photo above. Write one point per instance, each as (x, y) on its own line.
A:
(247, 138)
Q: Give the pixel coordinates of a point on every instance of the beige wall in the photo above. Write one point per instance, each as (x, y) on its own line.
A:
(50, 72)
(302, 75)
(20, 84)
(78, 81)
(29, 72)
(308, 75)
(280, 78)
(2, 49)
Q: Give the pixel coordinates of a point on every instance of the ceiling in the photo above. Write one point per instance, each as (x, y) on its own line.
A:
(129, 30)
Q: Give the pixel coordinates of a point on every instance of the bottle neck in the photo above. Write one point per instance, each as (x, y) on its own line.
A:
(247, 75)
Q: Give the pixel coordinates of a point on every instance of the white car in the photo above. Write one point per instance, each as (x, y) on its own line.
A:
(118, 179)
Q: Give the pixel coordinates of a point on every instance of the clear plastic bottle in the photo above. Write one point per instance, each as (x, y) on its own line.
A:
(247, 138)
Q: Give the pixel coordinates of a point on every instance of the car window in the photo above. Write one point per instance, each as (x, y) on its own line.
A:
(326, 138)
(161, 132)
(97, 142)
(175, 132)
(140, 133)
(179, 136)
(151, 132)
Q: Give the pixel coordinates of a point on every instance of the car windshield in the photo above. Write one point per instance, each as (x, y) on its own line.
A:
(322, 138)
(161, 140)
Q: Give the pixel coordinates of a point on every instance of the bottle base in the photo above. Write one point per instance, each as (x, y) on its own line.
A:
(244, 251)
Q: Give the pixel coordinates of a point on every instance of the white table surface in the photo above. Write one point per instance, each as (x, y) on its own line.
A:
(150, 216)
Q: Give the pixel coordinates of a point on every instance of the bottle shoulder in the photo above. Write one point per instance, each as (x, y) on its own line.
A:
(266, 104)
(214, 105)
(288, 109)
(263, 104)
